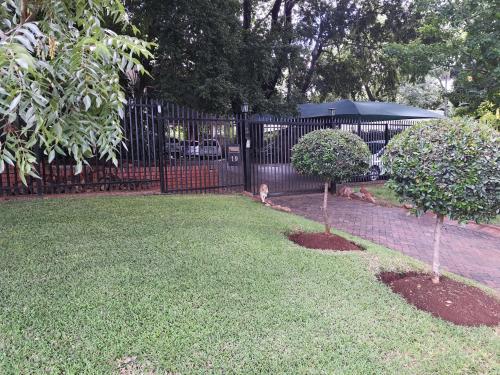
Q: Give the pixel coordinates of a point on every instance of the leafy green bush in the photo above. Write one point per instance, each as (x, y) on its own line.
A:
(332, 155)
(489, 113)
(60, 89)
(449, 167)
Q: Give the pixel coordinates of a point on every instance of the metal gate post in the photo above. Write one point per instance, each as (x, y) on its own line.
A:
(161, 148)
(247, 172)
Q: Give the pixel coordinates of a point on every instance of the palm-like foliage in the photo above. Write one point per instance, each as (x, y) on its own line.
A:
(60, 89)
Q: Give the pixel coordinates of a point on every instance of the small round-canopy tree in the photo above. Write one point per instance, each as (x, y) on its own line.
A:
(331, 155)
(449, 167)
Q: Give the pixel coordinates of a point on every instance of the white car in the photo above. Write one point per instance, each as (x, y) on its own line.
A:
(376, 166)
(191, 149)
(174, 148)
(210, 148)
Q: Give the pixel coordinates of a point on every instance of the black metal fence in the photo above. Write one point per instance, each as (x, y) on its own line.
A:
(201, 151)
(273, 139)
(137, 162)
(174, 149)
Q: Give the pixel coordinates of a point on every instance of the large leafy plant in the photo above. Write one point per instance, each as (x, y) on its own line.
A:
(331, 155)
(60, 91)
(451, 168)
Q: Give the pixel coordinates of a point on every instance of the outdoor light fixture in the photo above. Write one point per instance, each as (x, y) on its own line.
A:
(244, 107)
(332, 111)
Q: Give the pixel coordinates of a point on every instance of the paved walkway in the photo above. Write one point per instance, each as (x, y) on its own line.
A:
(465, 250)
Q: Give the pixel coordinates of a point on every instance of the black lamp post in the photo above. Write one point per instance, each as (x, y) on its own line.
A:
(244, 107)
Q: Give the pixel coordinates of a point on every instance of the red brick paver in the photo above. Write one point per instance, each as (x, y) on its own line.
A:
(465, 250)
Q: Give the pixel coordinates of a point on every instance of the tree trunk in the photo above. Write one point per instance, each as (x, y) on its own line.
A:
(283, 54)
(371, 97)
(247, 14)
(437, 243)
(24, 11)
(275, 12)
(315, 54)
(325, 209)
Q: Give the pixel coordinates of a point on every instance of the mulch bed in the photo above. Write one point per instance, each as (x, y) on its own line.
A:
(322, 241)
(449, 300)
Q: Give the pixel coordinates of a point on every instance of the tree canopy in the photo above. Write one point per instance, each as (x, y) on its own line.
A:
(213, 54)
(60, 91)
(273, 54)
(460, 38)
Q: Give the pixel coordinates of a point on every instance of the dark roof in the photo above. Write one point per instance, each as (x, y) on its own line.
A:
(365, 110)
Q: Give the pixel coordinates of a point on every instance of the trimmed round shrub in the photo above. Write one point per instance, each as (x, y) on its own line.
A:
(450, 167)
(332, 155)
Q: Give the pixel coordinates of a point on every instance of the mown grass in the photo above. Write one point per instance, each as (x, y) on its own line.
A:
(207, 284)
(382, 194)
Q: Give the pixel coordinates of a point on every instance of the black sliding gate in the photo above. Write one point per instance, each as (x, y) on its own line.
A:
(273, 139)
(174, 149)
(202, 152)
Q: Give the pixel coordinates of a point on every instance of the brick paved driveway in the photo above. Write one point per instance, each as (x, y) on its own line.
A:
(465, 250)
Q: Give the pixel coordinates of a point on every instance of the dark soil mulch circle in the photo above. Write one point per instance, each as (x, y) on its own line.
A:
(322, 241)
(449, 300)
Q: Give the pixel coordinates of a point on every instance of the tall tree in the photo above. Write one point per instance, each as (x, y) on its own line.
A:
(198, 43)
(356, 65)
(478, 69)
(275, 53)
(460, 37)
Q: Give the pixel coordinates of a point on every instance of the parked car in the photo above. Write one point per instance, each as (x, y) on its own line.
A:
(191, 149)
(376, 166)
(210, 148)
(174, 148)
(375, 146)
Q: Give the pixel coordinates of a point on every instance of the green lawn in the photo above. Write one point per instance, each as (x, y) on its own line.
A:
(206, 284)
(382, 194)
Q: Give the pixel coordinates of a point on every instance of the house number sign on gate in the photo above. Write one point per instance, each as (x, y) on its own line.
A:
(233, 155)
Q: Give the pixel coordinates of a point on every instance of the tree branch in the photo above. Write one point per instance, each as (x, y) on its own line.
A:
(371, 97)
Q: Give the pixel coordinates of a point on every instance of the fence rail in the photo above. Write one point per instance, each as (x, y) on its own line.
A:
(174, 149)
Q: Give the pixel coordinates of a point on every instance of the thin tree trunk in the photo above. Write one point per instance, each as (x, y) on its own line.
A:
(318, 49)
(437, 243)
(24, 11)
(247, 14)
(325, 209)
(371, 97)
